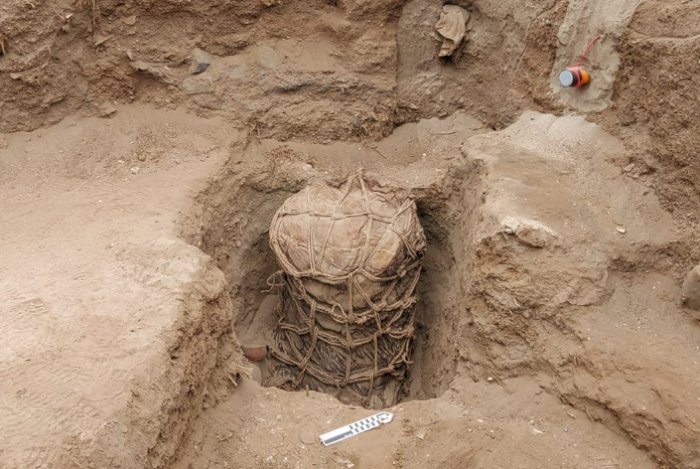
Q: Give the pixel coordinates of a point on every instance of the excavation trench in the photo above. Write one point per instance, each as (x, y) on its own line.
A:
(236, 233)
(509, 285)
(554, 279)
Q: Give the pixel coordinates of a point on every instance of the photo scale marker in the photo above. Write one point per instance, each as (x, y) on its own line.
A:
(355, 428)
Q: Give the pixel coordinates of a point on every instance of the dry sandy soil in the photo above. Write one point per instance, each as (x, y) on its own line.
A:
(136, 198)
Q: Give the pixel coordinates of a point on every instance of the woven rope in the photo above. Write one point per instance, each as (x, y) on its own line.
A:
(325, 345)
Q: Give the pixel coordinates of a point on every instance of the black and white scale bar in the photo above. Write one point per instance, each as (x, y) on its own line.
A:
(355, 428)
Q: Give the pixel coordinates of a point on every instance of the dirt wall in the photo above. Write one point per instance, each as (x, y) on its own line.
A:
(656, 96)
(377, 63)
(332, 64)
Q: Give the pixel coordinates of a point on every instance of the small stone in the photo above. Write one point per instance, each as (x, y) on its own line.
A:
(157, 70)
(489, 379)
(129, 20)
(621, 229)
(99, 39)
(107, 110)
(628, 168)
(141, 157)
(529, 232)
(691, 289)
(197, 85)
(306, 167)
(135, 170)
(200, 61)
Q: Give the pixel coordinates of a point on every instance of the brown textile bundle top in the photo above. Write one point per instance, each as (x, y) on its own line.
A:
(359, 228)
(351, 255)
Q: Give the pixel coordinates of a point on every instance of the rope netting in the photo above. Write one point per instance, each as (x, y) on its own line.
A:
(351, 257)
